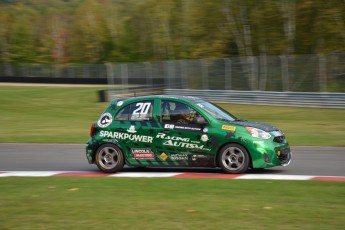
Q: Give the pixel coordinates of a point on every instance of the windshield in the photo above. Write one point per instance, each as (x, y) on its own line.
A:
(216, 112)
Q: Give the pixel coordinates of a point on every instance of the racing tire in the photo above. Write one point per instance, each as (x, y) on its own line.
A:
(233, 158)
(109, 158)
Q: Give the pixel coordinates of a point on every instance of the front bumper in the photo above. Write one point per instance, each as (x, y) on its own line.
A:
(266, 154)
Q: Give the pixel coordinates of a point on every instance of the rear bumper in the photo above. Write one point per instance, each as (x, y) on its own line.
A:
(90, 149)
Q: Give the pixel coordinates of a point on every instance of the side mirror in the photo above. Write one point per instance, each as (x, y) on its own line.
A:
(200, 121)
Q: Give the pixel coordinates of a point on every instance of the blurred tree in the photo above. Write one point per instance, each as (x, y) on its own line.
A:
(97, 31)
(329, 27)
(208, 31)
(118, 47)
(88, 34)
(22, 37)
(5, 20)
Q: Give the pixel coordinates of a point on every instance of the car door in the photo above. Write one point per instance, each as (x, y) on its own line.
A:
(180, 140)
(136, 133)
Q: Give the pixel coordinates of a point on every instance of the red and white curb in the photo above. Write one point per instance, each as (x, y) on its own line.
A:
(171, 175)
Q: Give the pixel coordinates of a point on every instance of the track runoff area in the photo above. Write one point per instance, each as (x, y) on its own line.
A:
(168, 175)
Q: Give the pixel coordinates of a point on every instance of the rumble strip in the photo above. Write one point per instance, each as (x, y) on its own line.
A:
(171, 175)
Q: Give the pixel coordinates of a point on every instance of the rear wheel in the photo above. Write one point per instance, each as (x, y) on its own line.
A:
(233, 158)
(109, 158)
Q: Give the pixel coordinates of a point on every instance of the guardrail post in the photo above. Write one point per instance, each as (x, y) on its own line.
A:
(168, 74)
(227, 73)
(124, 77)
(183, 74)
(285, 73)
(110, 74)
(148, 73)
(322, 73)
(204, 74)
(263, 72)
(86, 70)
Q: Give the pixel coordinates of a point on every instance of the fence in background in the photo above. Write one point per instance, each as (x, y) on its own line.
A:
(272, 80)
(303, 73)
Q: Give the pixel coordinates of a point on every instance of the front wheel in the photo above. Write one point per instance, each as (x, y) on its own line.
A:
(233, 158)
(109, 158)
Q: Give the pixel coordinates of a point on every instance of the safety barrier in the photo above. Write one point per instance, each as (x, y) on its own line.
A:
(299, 99)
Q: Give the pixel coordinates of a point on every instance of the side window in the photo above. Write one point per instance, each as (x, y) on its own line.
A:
(123, 115)
(177, 112)
(138, 111)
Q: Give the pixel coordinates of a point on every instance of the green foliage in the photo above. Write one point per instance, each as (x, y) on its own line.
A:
(99, 31)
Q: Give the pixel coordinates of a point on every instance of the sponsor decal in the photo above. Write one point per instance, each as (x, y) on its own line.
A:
(143, 153)
(183, 144)
(163, 156)
(205, 130)
(199, 157)
(105, 120)
(110, 140)
(169, 126)
(204, 138)
(200, 105)
(126, 136)
(136, 118)
(131, 129)
(167, 137)
(191, 128)
(178, 141)
(188, 128)
(228, 127)
(179, 157)
(141, 112)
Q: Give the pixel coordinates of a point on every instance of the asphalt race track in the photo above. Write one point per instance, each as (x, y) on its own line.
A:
(320, 161)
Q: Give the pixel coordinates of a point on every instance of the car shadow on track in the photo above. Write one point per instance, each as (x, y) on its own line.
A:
(196, 170)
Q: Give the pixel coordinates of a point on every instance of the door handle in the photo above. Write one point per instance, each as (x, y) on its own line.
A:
(166, 131)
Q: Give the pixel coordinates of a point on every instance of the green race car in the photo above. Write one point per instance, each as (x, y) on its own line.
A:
(176, 131)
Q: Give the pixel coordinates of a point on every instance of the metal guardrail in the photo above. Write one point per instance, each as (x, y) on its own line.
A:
(298, 99)
(108, 95)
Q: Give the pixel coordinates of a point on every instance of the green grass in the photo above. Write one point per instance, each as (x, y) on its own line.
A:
(64, 115)
(48, 114)
(302, 126)
(122, 203)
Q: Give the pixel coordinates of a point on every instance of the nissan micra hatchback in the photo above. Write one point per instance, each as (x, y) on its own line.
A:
(176, 131)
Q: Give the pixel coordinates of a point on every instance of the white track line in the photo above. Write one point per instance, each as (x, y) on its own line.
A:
(274, 177)
(30, 173)
(166, 174)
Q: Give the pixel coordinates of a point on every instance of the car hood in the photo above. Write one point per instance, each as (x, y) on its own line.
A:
(255, 124)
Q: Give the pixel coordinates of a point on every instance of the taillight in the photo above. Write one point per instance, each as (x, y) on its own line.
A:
(92, 130)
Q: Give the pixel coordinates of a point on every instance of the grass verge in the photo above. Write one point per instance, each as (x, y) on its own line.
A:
(64, 115)
(106, 203)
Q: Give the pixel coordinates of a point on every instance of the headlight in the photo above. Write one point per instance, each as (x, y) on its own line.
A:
(258, 133)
